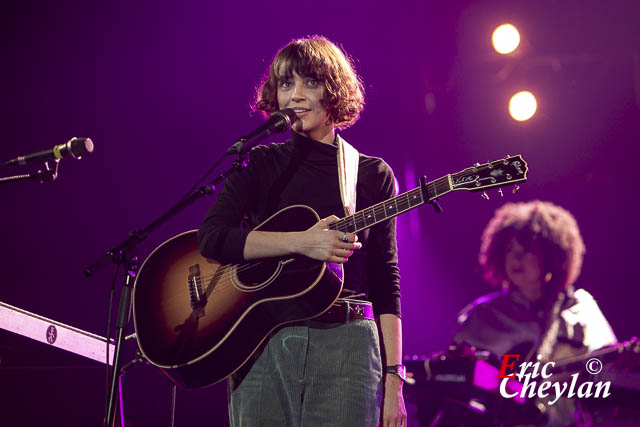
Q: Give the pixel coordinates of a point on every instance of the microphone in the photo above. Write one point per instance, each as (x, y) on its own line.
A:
(279, 121)
(75, 148)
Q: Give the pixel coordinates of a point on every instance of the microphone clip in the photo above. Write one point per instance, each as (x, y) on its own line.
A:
(238, 147)
(48, 175)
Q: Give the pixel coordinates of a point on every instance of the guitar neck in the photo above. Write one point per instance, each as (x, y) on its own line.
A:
(509, 170)
(394, 206)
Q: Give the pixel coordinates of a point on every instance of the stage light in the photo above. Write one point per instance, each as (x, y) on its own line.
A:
(522, 106)
(505, 38)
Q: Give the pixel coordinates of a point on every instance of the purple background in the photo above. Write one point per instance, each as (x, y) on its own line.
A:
(163, 89)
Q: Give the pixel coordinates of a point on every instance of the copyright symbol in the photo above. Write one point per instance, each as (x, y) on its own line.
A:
(594, 366)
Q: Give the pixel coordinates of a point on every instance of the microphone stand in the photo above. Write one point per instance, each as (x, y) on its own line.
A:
(47, 175)
(549, 335)
(121, 255)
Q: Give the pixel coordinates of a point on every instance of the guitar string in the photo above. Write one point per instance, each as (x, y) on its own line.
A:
(344, 224)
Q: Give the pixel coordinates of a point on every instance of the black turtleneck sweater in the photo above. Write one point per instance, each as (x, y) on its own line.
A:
(302, 171)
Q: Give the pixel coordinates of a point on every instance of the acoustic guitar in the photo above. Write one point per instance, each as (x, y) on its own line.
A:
(200, 321)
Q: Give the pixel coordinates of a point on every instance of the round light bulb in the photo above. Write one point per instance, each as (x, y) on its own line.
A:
(505, 38)
(522, 106)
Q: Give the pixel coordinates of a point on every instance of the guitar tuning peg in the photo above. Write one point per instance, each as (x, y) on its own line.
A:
(516, 189)
(500, 192)
(484, 195)
(476, 165)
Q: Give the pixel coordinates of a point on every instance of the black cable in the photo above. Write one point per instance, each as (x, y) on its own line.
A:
(110, 309)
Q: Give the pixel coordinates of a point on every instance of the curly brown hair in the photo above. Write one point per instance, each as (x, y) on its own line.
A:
(543, 227)
(316, 57)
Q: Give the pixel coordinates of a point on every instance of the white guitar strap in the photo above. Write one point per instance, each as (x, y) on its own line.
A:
(348, 158)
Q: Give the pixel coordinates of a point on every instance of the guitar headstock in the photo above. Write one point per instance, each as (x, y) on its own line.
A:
(498, 173)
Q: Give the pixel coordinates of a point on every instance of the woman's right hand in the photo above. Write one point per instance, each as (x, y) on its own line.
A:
(323, 244)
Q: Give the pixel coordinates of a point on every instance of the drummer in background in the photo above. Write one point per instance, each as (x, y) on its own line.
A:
(533, 253)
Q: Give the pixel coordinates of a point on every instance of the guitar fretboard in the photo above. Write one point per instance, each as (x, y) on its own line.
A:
(394, 206)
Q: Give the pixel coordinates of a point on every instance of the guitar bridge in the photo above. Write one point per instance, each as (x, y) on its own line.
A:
(197, 298)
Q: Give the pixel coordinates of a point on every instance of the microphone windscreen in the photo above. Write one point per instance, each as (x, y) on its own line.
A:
(292, 119)
(290, 114)
(80, 146)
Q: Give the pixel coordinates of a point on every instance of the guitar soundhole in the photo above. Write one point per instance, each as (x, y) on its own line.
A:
(255, 276)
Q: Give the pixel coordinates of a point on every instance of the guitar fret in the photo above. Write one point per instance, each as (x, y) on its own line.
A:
(368, 216)
(404, 201)
(436, 193)
(414, 200)
(354, 221)
(348, 224)
(439, 187)
(338, 225)
(388, 207)
(362, 220)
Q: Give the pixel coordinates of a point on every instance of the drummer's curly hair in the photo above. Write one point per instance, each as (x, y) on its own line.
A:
(544, 227)
(317, 57)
